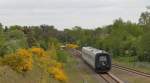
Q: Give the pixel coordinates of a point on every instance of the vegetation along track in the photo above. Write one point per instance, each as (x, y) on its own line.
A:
(131, 70)
(108, 77)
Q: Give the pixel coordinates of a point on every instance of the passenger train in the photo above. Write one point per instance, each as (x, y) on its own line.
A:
(99, 60)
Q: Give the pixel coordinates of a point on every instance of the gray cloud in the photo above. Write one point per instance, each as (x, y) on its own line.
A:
(27, 4)
(68, 13)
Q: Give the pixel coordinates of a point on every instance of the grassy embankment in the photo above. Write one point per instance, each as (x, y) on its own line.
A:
(77, 71)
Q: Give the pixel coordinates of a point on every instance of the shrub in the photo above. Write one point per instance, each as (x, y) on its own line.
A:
(57, 74)
(20, 61)
(47, 60)
(52, 51)
(62, 56)
(38, 51)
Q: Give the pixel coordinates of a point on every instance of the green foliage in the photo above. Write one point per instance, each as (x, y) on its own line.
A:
(123, 37)
(120, 39)
(2, 41)
(62, 56)
(1, 27)
(144, 47)
(15, 34)
(11, 40)
(15, 27)
(15, 39)
(53, 42)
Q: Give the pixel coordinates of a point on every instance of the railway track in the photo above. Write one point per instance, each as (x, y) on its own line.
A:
(110, 78)
(107, 77)
(123, 68)
(131, 70)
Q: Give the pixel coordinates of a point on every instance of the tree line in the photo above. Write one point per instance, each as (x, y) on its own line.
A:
(120, 38)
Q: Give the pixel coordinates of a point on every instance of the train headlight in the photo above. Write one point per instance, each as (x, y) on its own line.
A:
(103, 63)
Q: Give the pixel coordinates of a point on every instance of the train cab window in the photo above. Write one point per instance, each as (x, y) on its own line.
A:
(102, 58)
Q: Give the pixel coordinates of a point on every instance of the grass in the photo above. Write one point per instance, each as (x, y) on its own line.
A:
(78, 72)
(7, 75)
(132, 63)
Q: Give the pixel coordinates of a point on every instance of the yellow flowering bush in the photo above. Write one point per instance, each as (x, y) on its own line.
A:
(38, 51)
(54, 68)
(22, 61)
(57, 74)
(49, 62)
(24, 53)
(73, 46)
(26, 56)
(58, 65)
(54, 63)
(19, 61)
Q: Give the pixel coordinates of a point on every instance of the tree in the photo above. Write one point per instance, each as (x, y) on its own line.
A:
(2, 39)
(145, 18)
(30, 38)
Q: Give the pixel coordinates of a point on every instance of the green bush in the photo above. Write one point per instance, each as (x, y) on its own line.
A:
(62, 56)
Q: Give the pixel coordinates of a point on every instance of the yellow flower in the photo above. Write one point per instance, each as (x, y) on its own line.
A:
(22, 61)
(19, 61)
(56, 64)
(38, 51)
(57, 74)
(73, 46)
(23, 53)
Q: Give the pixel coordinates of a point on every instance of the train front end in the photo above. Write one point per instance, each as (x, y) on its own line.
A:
(102, 62)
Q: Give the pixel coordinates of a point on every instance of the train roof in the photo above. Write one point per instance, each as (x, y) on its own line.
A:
(94, 50)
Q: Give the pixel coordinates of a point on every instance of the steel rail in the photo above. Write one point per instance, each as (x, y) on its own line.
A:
(131, 70)
(110, 78)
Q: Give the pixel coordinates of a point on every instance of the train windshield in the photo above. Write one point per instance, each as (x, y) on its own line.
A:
(102, 58)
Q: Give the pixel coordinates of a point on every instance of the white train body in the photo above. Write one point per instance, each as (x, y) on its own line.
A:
(97, 59)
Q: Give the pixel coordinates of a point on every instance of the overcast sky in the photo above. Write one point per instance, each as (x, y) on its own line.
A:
(69, 13)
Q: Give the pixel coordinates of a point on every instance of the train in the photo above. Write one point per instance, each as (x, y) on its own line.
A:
(99, 60)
